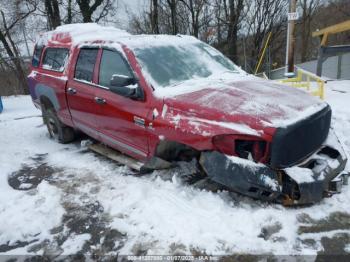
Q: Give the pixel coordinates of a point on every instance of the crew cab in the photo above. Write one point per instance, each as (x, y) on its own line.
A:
(161, 99)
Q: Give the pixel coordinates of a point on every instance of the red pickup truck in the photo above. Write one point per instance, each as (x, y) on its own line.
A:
(166, 98)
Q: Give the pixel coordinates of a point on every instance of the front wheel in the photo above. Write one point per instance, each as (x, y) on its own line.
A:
(57, 130)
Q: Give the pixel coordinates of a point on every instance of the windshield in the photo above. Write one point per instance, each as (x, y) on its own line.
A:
(169, 65)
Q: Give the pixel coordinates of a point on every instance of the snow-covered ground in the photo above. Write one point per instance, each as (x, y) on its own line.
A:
(62, 199)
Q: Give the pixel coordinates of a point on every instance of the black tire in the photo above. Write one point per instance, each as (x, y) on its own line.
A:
(57, 130)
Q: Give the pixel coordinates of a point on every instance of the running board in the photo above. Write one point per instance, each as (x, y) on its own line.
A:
(116, 156)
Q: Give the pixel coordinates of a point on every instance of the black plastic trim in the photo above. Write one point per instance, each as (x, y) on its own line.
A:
(295, 143)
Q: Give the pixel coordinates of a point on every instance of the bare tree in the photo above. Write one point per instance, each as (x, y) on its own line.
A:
(264, 16)
(234, 11)
(342, 6)
(69, 18)
(172, 4)
(218, 19)
(207, 24)
(154, 16)
(195, 8)
(308, 8)
(88, 10)
(8, 26)
(171, 18)
(227, 17)
(53, 13)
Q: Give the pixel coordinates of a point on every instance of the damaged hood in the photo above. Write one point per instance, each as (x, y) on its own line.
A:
(258, 104)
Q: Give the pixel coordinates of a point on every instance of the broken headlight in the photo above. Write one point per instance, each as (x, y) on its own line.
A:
(247, 147)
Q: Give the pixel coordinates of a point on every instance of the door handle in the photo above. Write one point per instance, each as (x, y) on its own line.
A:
(100, 100)
(71, 91)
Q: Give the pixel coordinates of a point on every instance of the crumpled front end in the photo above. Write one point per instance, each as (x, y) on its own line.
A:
(308, 182)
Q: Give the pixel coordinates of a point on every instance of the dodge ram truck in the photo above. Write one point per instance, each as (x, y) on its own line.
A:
(161, 99)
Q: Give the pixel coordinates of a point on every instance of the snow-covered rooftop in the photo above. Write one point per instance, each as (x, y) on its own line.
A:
(91, 32)
(82, 32)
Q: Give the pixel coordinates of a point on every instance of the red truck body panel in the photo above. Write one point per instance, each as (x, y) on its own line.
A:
(246, 133)
(137, 127)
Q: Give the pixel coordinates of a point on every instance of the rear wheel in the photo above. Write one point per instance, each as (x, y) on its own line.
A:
(57, 130)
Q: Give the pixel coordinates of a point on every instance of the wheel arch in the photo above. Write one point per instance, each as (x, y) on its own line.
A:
(46, 103)
(48, 96)
(175, 151)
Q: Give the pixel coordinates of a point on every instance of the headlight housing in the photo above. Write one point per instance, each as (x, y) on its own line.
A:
(247, 147)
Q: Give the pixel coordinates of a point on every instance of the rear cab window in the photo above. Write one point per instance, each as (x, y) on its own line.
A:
(84, 69)
(55, 59)
(38, 50)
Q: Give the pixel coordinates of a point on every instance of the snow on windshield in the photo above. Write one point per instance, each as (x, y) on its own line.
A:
(173, 63)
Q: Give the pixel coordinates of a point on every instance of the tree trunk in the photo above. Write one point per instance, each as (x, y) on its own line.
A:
(69, 12)
(232, 42)
(233, 26)
(53, 13)
(14, 55)
(218, 22)
(195, 28)
(308, 8)
(173, 5)
(154, 17)
(87, 10)
(304, 41)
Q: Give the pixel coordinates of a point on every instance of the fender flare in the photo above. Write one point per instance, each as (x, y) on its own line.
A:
(48, 94)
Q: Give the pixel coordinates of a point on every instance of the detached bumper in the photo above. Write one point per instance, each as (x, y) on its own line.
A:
(317, 177)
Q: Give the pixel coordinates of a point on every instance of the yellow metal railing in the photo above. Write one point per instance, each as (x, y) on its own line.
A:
(263, 52)
(307, 80)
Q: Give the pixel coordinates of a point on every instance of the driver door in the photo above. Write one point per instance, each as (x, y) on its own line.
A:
(121, 120)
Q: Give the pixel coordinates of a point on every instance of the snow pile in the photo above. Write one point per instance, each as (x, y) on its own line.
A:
(347, 248)
(300, 175)
(27, 216)
(24, 215)
(165, 213)
(74, 244)
(244, 162)
(338, 96)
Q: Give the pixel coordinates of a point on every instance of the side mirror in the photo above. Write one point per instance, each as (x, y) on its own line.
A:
(126, 86)
(122, 80)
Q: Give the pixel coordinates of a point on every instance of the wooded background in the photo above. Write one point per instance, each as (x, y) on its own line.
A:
(238, 28)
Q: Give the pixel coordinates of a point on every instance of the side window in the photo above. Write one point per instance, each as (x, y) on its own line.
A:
(84, 68)
(112, 63)
(37, 55)
(55, 59)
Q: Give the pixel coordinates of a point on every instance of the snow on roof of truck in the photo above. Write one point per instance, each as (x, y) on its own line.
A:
(75, 34)
(82, 32)
(145, 41)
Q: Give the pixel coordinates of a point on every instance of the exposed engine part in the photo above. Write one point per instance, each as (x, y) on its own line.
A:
(173, 151)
